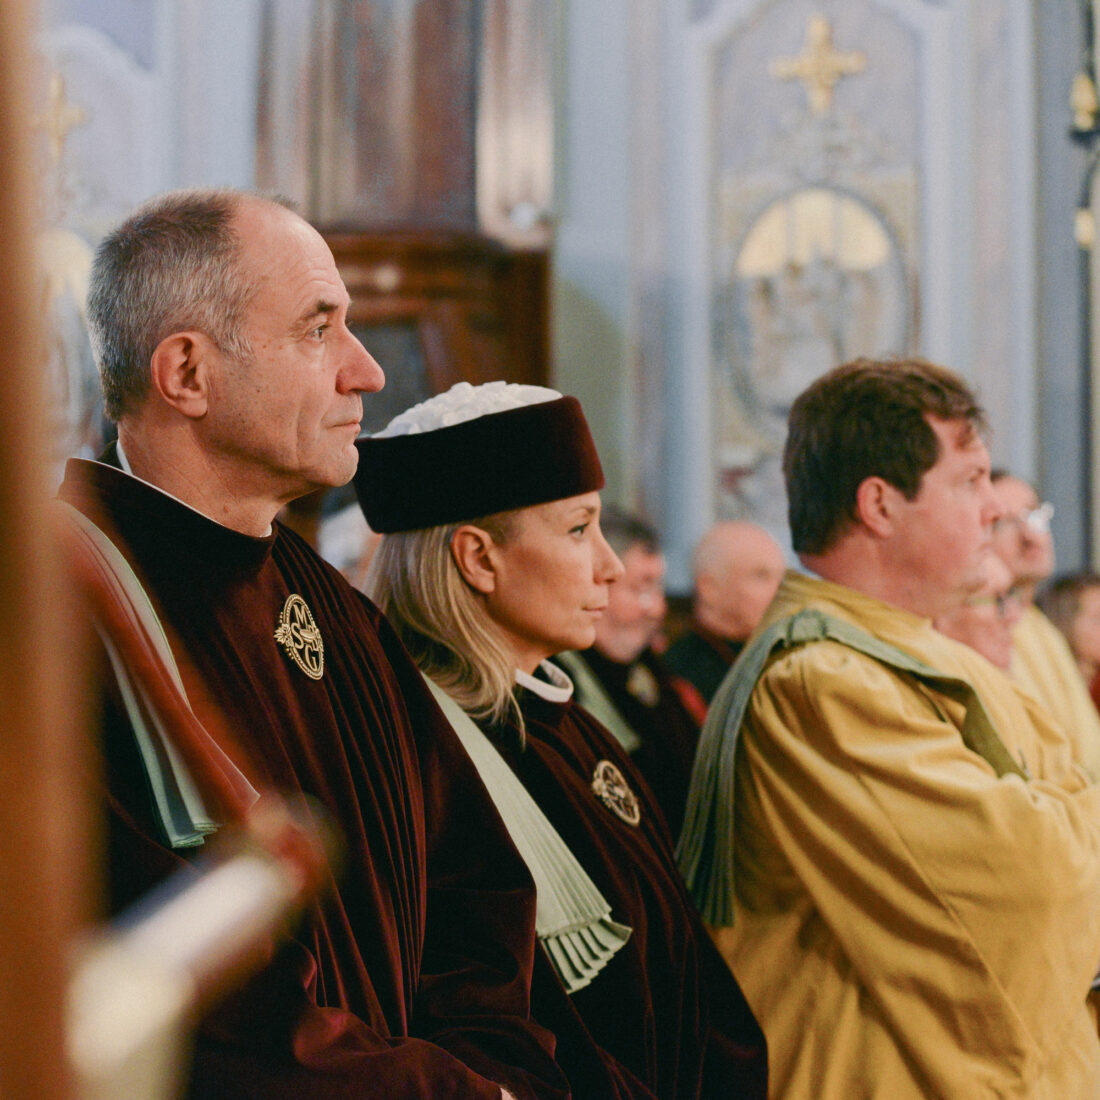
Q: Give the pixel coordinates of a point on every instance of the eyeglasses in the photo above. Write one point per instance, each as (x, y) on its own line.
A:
(1036, 520)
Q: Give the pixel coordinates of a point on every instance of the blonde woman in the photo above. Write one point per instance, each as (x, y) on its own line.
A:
(492, 561)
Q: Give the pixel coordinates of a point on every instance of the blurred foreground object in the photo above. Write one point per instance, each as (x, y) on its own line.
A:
(43, 798)
(139, 987)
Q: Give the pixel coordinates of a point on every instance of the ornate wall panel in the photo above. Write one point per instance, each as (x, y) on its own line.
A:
(814, 195)
(857, 182)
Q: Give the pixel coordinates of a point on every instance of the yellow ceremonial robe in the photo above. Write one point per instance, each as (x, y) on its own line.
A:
(1043, 664)
(907, 925)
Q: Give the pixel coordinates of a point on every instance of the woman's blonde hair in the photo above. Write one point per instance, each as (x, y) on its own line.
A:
(442, 620)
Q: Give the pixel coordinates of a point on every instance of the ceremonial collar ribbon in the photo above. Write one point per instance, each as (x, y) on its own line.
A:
(572, 918)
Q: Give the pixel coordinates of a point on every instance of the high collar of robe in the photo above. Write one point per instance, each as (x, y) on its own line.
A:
(154, 522)
(892, 623)
(546, 695)
(548, 682)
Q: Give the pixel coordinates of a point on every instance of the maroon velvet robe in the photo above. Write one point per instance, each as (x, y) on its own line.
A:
(411, 977)
(668, 733)
(665, 1009)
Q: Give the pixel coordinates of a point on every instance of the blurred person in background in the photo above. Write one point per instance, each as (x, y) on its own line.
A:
(736, 569)
(986, 620)
(1072, 602)
(623, 682)
(1042, 661)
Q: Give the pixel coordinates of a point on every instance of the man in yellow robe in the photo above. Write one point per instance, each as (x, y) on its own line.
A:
(1042, 661)
(911, 917)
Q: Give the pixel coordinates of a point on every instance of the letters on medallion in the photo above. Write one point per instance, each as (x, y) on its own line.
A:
(299, 636)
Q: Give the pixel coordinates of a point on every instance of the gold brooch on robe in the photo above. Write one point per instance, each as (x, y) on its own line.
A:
(299, 636)
(613, 791)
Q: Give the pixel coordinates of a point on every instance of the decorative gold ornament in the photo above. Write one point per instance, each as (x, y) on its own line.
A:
(642, 684)
(59, 118)
(297, 633)
(819, 66)
(613, 791)
(1084, 227)
(1083, 102)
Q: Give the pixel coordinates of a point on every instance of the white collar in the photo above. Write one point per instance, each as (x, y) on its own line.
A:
(123, 461)
(556, 688)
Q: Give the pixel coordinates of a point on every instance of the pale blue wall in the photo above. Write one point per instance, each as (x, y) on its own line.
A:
(1063, 453)
(593, 220)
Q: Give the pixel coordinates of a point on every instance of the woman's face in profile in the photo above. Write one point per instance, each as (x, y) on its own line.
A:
(552, 579)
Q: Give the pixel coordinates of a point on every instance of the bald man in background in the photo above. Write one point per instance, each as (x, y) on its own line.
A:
(737, 568)
(1042, 662)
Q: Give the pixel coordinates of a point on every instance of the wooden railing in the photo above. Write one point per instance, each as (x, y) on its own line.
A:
(44, 819)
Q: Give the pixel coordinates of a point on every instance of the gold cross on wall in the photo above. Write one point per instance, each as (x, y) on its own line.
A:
(819, 66)
(60, 118)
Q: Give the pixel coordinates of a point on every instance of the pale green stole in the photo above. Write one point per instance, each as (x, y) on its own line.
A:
(176, 799)
(707, 843)
(572, 918)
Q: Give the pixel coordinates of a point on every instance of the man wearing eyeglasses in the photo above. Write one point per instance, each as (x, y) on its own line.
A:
(1042, 661)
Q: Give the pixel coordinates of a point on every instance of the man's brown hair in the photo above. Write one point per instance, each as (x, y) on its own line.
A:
(867, 418)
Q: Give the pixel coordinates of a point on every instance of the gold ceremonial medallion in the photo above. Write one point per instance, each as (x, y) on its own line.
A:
(297, 633)
(611, 789)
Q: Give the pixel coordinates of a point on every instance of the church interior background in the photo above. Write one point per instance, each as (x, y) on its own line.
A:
(678, 210)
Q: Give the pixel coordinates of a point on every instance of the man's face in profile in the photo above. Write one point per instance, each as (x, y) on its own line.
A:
(1021, 537)
(944, 536)
(287, 419)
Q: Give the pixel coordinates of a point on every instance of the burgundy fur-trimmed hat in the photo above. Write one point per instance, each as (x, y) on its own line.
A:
(441, 471)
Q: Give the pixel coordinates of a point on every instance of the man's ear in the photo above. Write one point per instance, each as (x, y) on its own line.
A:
(180, 369)
(471, 548)
(876, 500)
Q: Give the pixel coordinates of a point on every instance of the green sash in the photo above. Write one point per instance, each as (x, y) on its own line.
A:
(572, 918)
(177, 802)
(706, 848)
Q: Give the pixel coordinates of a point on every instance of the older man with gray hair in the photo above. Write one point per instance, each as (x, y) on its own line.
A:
(220, 327)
